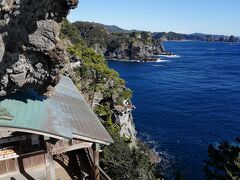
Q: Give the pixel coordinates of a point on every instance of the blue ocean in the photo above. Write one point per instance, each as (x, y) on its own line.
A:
(186, 102)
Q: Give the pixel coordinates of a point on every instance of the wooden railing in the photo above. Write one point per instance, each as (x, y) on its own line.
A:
(103, 175)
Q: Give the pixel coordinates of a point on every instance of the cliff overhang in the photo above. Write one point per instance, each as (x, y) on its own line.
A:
(31, 54)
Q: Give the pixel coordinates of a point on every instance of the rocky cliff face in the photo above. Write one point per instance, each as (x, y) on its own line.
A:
(31, 55)
(121, 114)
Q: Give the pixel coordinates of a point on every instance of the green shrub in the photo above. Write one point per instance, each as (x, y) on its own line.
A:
(103, 110)
(119, 161)
(92, 61)
(127, 94)
(69, 31)
(124, 94)
(94, 34)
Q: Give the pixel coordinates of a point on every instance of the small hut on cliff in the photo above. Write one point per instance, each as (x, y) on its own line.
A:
(50, 138)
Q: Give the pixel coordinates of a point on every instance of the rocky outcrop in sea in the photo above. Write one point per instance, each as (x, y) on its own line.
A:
(136, 50)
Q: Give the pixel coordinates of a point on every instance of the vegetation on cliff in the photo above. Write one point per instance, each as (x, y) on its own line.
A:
(96, 34)
(170, 36)
(121, 162)
(95, 75)
(94, 78)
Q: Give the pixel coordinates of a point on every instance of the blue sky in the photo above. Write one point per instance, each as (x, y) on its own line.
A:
(184, 16)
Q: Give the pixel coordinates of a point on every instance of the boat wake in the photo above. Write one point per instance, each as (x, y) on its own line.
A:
(158, 65)
(161, 60)
(169, 56)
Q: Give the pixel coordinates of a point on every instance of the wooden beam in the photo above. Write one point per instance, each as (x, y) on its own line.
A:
(34, 132)
(13, 139)
(90, 139)
(71, 148)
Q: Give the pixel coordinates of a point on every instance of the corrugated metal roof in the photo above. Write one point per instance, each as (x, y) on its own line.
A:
(66, 114)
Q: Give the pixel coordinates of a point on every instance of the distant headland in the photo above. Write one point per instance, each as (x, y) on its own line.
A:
(174, 36)
(133, 45)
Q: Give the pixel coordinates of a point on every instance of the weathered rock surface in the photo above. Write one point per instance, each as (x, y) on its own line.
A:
(135, 51)
(125, 118)
(122, 115)
(233, 39)
(31, 55)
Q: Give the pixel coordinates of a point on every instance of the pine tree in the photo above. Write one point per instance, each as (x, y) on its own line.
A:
(223, 162)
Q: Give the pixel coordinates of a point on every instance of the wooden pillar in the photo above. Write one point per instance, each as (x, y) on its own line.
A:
(96, 170)
(16, 164)
(49, 162)
(50, 166)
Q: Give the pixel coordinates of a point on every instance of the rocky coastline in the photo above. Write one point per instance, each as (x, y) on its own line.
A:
(150, 57)
(132, 46)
